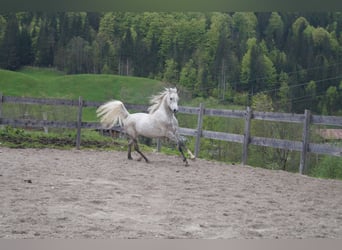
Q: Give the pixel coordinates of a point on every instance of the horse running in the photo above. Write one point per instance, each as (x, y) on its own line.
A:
(159, 122)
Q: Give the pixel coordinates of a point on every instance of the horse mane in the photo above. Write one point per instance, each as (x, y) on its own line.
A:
(156, 100)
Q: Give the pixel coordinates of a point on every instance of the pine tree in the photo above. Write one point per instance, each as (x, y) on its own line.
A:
(25, 49)
(45, 53)
(9, 49)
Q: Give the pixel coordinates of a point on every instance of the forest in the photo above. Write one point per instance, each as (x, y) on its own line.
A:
(287, 61)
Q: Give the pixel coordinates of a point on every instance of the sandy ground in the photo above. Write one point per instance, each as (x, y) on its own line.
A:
(48, 193)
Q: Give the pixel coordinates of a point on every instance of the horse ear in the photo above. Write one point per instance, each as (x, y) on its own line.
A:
(175, 90)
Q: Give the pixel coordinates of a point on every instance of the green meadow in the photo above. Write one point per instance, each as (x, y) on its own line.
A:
(41, 82)
(50, 83)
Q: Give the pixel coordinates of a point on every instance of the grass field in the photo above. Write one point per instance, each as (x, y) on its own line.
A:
(50, 83)
(42, 82)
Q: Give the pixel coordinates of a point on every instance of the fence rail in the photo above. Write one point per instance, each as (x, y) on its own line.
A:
(304, 146)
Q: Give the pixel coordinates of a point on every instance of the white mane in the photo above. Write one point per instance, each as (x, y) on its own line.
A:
(156, 100)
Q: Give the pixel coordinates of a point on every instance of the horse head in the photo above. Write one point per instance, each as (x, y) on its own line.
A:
(169, 98)
(172, 99)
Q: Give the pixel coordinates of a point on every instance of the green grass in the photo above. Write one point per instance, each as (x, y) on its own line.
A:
(50, 83)
(329, 167)
(62, 139)
(41, 73)
(40, 82)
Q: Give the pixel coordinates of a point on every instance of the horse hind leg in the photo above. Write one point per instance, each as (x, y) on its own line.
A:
(130, 149)
(136, 147)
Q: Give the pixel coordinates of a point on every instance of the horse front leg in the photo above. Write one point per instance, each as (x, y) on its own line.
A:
(182, 153)
(191, 156)
(174, 137)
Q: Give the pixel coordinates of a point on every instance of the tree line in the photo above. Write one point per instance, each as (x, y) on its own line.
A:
(292, 61)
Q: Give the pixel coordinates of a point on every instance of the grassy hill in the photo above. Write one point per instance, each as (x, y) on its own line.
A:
(50, 83)
(40, 82)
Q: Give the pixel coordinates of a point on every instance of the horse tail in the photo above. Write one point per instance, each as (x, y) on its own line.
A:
(111, 113)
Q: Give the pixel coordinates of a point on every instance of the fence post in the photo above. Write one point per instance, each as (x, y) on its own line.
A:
(199, 129)
(1, 101)
(305, 141)
(79, 122)
(158, 145)
(46, 129)
(246, 137)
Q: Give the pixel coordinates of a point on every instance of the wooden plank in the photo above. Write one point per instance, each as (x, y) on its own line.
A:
(199, 129)
(246, 138)
(276, 143)
(91, 125)
(187, 131)
(79, 122)
(91, 104)
(278, 117)
(223, 136)
(305, 141)
(44, 101)
(29, 123)
(327, 120)
(225, 113)
(188, 110)
(326, 149)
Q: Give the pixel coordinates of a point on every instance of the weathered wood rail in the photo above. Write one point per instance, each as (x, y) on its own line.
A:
(304, 146)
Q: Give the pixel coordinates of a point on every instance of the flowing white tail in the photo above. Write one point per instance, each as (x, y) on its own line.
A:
(111, 113)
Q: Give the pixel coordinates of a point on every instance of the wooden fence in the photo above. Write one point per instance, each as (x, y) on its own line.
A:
(304, 146)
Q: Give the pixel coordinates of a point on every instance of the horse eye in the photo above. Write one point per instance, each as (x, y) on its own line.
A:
(170, 98)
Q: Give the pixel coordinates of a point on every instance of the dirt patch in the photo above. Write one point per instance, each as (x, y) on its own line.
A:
(49, 193)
